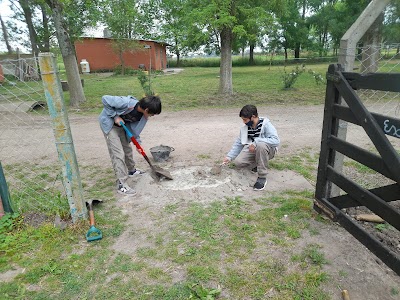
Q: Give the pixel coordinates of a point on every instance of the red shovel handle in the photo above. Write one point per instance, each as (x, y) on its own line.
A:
(135, 142)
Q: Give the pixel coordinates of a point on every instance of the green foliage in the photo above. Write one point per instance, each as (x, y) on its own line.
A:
(318, 77)
(145, 82)
(9, 223)
(289, 78)
(382, 227)
(127, 70)
(201, 293)
(394, 291)
(239, 61)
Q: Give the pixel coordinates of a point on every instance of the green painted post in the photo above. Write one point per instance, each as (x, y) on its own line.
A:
(4, 193)
(62, 133)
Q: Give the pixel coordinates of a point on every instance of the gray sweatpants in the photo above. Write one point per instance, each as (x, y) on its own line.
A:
(120, 151)
(260, 158)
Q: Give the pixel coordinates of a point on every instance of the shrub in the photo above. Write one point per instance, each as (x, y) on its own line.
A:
(289, 79)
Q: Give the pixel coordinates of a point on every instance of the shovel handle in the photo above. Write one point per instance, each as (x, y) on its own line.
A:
(91, 214)
(135, 142)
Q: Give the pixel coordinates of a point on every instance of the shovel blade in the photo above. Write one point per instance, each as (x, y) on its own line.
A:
(161, 173)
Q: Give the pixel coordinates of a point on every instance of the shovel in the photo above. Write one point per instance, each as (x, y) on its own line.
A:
(157, 171)
(93, 233)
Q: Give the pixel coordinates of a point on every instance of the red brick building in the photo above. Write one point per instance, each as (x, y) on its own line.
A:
(100, 55)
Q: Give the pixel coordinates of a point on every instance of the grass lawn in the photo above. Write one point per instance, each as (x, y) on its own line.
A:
(198, 88)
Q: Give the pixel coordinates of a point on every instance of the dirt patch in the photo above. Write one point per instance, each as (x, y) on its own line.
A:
(201, 139)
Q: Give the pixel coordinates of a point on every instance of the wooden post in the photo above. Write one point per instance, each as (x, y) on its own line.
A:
(348, 45)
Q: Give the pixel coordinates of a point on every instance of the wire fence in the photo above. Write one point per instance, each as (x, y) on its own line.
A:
(28, 153)
(374, 59)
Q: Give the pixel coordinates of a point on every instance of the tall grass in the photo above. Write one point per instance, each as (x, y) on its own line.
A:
(241, 61)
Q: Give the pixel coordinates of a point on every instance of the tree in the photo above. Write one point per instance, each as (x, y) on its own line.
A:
(174, 26)
(120, 46)
(5, 36)
(391, 29)
(257, 20)
(220, 19)
(68, 53)
(122, 19)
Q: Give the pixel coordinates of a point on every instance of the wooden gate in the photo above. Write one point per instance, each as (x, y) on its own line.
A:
(341, 86)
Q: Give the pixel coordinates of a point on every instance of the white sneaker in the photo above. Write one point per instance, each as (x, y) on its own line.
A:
(124, 189)
(135, 172)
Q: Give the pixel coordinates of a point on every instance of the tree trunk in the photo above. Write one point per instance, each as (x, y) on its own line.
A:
(297, 51)
(5, 36)
(68, 54)
(177, 52)
(225, 71)
(29, 23)
(251, 59)
(45, 47)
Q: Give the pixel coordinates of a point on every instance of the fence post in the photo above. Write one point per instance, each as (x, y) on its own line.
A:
(5, 200)
(62, 133)
(348, 47)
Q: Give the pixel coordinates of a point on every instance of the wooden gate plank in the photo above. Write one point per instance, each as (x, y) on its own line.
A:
(327, 156)
(374, 81)
(360, 155)
(371, 127)
(390, 126)
(366, 198)
(387, 193)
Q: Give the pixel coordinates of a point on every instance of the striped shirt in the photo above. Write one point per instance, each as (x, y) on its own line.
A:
(255, 132)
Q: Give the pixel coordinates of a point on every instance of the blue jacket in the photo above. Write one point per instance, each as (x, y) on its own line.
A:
(116, 106)
(268, 135)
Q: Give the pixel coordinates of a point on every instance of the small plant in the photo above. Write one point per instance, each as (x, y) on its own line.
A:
(289, 79)
(199, 292)
(381, 227)
(144, 80)
(318, 77)
(394, 291)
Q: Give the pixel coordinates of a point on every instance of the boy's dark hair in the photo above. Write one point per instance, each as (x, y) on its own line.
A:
(248, 111)
(153, 103)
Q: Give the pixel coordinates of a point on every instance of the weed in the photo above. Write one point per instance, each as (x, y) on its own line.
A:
(394, 291)
(145, 82)
(382, 227)
(289, 79)
(202, 293)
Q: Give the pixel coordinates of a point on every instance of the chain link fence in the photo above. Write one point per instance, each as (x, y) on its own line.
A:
(374, 59)
(28, 153)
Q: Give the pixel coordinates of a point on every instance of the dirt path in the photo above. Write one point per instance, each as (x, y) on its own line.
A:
(200, 139)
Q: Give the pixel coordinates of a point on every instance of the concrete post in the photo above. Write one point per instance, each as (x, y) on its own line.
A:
(62, 133)
(348, 47)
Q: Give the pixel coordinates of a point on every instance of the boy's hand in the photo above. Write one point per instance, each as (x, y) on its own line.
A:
(118, 120)
(252, 148)
(226, 160)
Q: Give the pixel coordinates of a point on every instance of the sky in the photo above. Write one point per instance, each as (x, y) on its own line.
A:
(6, 13)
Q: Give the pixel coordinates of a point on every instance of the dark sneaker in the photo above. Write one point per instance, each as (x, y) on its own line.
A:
(254, 170)
(135, 172)
(260, 184)
(124, 189)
